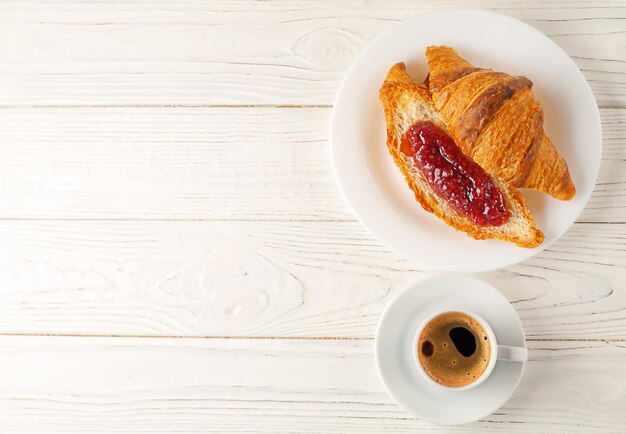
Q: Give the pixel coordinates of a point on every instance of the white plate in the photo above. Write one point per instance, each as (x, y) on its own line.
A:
(395, 341)
(374, 187)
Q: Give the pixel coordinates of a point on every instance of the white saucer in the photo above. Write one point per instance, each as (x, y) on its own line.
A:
(394, 349)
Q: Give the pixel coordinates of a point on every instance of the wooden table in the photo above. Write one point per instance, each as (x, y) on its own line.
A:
(176, 257)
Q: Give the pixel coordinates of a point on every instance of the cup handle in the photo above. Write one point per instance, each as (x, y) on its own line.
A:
(514, 354)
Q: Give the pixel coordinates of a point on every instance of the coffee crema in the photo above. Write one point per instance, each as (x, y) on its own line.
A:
(454, 349)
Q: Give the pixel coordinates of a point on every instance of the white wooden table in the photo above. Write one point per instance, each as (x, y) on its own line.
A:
(175, 255)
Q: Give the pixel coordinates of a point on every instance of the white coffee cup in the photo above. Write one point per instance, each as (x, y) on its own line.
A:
(498, 352)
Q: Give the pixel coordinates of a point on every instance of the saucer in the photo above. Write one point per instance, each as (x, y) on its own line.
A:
(395, 353)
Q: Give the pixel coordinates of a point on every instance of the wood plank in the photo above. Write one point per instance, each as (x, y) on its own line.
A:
(211, 163)
(246, 52)
(199, 385)
(312, 279)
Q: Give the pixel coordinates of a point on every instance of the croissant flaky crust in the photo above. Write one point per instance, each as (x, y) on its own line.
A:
(496, 120)
(406, 102)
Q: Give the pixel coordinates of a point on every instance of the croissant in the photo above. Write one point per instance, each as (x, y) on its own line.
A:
(497, 122)
(408, 103)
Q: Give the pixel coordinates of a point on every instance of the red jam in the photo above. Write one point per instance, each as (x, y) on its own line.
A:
(453, 176)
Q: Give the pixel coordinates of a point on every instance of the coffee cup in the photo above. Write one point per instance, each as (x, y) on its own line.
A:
(457, 350)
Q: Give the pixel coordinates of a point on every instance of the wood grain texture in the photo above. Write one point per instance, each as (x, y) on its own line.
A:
(202, 163)
(312, 279)
(188, 385)
(123, 214)
(247, 52)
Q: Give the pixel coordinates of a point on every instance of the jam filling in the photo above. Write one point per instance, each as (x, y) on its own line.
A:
(453, 176)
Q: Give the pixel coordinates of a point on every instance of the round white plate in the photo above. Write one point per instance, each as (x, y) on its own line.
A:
(374, 187)
(394, 349)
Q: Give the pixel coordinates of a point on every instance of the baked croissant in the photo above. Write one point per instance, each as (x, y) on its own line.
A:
(497, 122)
(408, 104)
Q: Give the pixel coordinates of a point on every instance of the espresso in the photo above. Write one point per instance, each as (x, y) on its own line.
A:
(454, 349)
